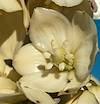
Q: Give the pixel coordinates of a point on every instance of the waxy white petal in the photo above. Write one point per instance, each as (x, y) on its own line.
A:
(2, 65)
(26, 14)
(27, 60)
(49, 83)
(36, 95)
(7, 48)
(67, 3)
(87, 47)
(10, 5)
(48, 29)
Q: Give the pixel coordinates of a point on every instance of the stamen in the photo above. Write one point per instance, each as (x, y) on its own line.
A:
(68, 67)
(49, 66)
(62, 66)
(47, 55)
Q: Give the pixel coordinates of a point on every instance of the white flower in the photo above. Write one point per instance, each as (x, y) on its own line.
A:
(74, 44)
(60, 56)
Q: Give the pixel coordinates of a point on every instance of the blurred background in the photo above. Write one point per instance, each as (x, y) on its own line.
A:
(96, 68)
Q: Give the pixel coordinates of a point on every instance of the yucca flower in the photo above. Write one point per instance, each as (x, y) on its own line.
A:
(60, 56)
(58, 59)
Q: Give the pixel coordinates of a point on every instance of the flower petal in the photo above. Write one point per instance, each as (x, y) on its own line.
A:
(7, 86)
(26, 14)
(7, 48)
(74, 84)
(36, 95)
(48, 29)
(87, 98)
(2, 65)
(8, 91)
(96, 91)
(47, 83)
(10, 5)
(27, 60)
(67, 3)
(12, 33)
(86, 44)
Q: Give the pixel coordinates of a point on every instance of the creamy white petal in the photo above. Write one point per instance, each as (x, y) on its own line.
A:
(87, 47)
(36, 95)
(48, 29)
(2, 65)
(8, 91)
(26, 14)
(87, 98)
(67, 3)
(7, 86)
(27, 60)
(96, 91)
(7, 70)
(49, 83)
(74, 84)
(10, 5)
(8, 47)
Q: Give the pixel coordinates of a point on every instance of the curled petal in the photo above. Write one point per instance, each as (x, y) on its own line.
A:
(36, 95)
(10, 5)
(87, 47)
(67, 3)
(47, 83)
(48, 29)
(26, 14)
(27, 60)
